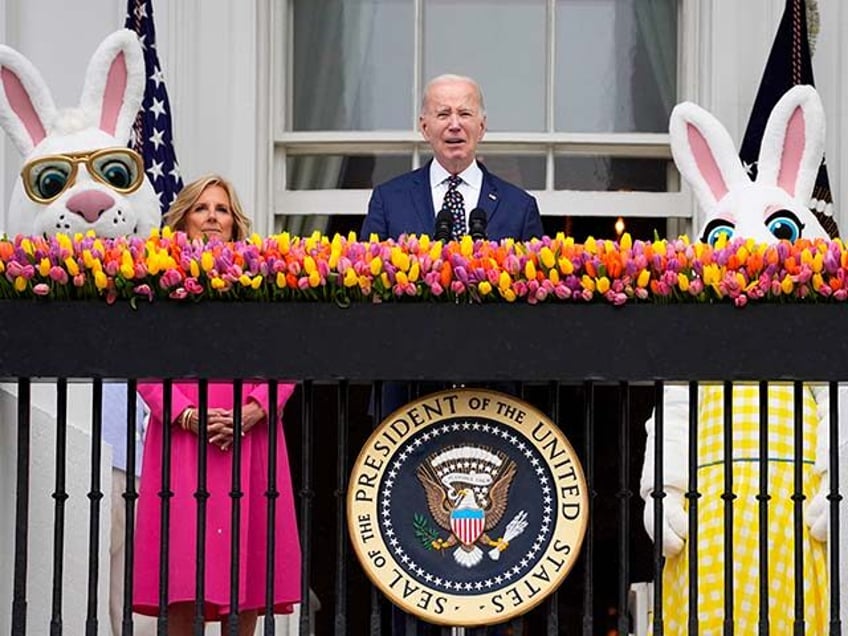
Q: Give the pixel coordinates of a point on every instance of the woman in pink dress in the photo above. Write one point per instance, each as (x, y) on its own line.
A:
(209, 207)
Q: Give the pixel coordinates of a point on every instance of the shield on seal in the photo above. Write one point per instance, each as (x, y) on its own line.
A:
(467, 524)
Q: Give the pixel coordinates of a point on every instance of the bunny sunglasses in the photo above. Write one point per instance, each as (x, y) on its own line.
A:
(46, 178)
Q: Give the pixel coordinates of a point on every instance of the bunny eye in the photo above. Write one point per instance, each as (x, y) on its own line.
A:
(715, 229)
(118, 168)
(116, 173)
(784, 224)
(51, 181)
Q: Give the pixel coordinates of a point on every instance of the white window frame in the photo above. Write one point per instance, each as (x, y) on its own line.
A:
(676, 206)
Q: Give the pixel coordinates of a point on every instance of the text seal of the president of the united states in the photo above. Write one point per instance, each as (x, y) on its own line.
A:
(467, 507)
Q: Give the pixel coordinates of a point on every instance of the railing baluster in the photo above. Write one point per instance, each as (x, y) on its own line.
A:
(201, 496)
(306, 494)
(130, 496)
(553, 600)
(95, 495)
(165, 495)
(375, 616)
(589, 541)
(272, 494)
(692, 496)
(60, 495)
(235, 512)
(340, 622)
(658, 495)
(19, 602)
(798, 500)
(624, 509)
(763, 498)
(728, 496)
(837, 549)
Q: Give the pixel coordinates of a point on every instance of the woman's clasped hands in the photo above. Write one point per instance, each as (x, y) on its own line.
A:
(220, 422)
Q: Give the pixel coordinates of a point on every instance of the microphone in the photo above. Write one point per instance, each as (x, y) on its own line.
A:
(477, 224)
(444, 225)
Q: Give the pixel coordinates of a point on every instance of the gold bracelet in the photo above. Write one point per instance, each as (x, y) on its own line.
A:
(186, 418)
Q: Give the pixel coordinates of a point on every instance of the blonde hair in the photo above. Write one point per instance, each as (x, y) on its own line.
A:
(175, 217)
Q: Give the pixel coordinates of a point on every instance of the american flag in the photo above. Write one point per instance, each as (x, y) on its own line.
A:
(789, 63)
(152, 137)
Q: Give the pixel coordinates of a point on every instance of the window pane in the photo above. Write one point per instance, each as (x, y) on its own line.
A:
(499, 43)
(610, 173)
(350, 172)
(616, 65)
(353, 65)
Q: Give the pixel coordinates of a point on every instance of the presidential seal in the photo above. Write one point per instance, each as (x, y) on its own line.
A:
(467, 507)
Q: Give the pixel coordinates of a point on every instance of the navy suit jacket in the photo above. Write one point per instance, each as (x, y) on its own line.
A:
(404, 205)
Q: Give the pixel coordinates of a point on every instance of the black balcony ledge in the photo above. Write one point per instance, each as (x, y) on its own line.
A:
(423, 341)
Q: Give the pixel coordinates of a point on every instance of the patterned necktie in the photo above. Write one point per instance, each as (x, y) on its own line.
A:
(454, 202)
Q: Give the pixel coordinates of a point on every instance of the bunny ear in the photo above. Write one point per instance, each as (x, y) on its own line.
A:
(704, 154)
(26, 105)
(114, 84)
(793, 143)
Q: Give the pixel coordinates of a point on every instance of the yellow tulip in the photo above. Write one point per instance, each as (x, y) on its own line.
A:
(626, 241)
(554, 276)
(314, 279)
(20, 283)
(786, 284)
(281, 280)
(682, 281)
(414, 271)
(424, 243)
(44, 266)
(603, 284)
(218, 283)
(504, 281)
(308, 264)
(100, 280)
(376, 265)
(587, 282)
(566, 266)
(466, 246)
(508, 295)
(167, 232)
(26, 245)
(207, 261)
(350, 279)
(255, 240)
(644, 278)
(547, 257)
(194, 268)
(72, 267)
(485, 288)
(530, 270)
(256, 283)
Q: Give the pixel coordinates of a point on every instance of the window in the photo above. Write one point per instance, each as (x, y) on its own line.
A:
(578, 94)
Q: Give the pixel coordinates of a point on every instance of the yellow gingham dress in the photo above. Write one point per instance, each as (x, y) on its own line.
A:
(781, 575)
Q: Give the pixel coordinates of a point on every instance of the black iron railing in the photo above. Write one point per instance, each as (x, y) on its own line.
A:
(595, 369)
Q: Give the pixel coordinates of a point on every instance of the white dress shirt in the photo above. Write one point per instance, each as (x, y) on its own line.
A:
(472, 183)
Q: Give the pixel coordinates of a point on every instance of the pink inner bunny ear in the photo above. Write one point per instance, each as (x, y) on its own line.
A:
(793, 150)
(21, 104)
(113, 95)
(706, 162)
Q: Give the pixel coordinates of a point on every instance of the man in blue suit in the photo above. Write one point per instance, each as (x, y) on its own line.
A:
(453, 121)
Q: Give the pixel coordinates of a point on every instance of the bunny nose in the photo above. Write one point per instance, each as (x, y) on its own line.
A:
(90, 204)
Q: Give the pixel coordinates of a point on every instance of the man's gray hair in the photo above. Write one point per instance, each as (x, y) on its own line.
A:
(450, 77)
